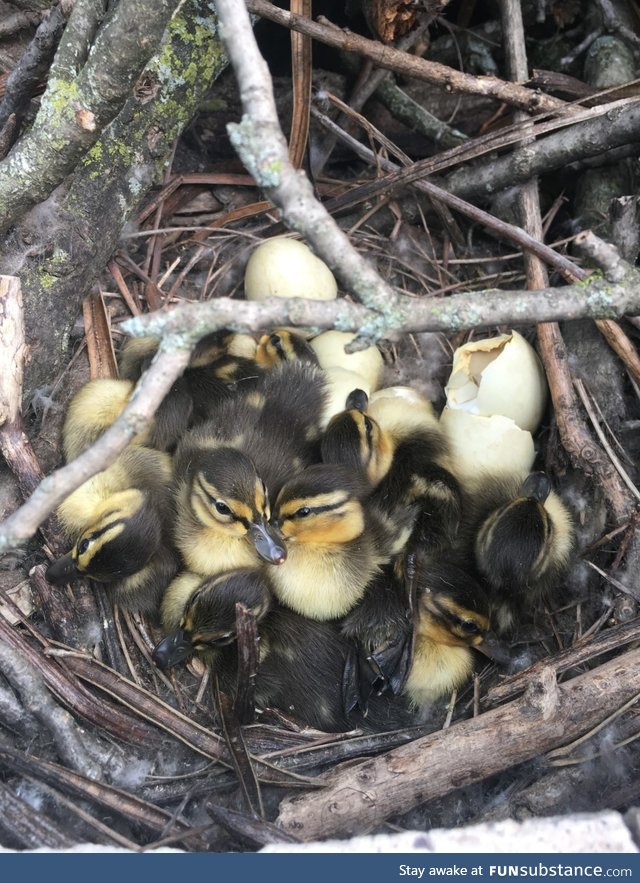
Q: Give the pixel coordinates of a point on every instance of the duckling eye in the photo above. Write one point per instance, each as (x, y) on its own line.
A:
(368, 427)
(469, 626)
(303, 512)
(222, 508)
(83, 546)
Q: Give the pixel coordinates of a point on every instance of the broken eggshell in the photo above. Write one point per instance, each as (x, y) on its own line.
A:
(500, 375)
(283, 267)
(487, 444)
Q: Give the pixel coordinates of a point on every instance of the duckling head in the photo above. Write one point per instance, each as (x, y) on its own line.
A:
(451, 619)
(228, 496)
(321, 506)
(122, 537)
(209, 619)
(355, 440)
(283, 345)
(527, 540)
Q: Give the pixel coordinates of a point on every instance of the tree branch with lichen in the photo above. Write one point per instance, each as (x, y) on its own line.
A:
(61, 246)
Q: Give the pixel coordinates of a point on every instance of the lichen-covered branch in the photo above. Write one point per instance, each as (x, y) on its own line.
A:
(75, 109)
(60, 247)
(34, 64)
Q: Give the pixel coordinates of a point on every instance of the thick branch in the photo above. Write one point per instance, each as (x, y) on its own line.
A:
(59, 249)
(361, 797)
(34, 64)
(74, 111)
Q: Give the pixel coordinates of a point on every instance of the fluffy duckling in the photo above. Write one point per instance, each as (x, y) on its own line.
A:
(399, 448)
(218, 368)
(335, 544)
(223, 511)
(100, 402)
(523, 540)
(451, 619)
(302, 661)
(229, 468)
(119, 521)
(283, 345)
(199, 615)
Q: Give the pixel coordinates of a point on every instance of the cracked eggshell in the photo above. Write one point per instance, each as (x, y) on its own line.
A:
(283, 267)
(500, 375)
(340, 383)
(329, 348)
(487, 444)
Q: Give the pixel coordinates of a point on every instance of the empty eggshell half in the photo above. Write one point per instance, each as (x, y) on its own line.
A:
(340, 383)
(487, 444)
(329, 348)
(500, 375)
(283, 267)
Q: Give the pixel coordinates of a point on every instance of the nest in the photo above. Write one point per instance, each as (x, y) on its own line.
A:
(96, 744)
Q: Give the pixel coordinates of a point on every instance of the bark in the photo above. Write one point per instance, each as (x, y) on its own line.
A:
(361, 797)
(62, 245)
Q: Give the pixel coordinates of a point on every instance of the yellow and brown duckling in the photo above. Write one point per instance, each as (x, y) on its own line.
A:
(120, 523)
(302, 662)
(223, 511)
(99, 403)
(522, 537)
(283, 345)
(335, 544)
(450, 621)
(401, 451)
(219, 367)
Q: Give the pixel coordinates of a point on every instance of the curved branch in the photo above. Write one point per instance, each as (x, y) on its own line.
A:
(169, 363)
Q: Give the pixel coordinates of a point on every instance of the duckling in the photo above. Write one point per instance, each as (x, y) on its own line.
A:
(216, 370)
(451, 619)
(119, 521)
(399, 448)
(100, 402)
(523, 539)
(283, 345)
(229, 468)
(199, 615)
(335, 544)
(301, 661)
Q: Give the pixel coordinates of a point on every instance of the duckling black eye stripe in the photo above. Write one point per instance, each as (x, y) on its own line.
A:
(106, 527)
(317, 510)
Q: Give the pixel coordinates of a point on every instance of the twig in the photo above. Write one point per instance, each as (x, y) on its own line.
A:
(263, 149)
(410, 65)
(58, 722)
(582, 651)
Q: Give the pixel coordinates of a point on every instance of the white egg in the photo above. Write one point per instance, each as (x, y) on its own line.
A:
(499, 376)
(283, 267)
(487, 444)
(329, 348)
(401, 409)
(340, 383)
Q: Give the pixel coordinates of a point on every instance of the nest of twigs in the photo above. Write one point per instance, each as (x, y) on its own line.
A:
(98, 745)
